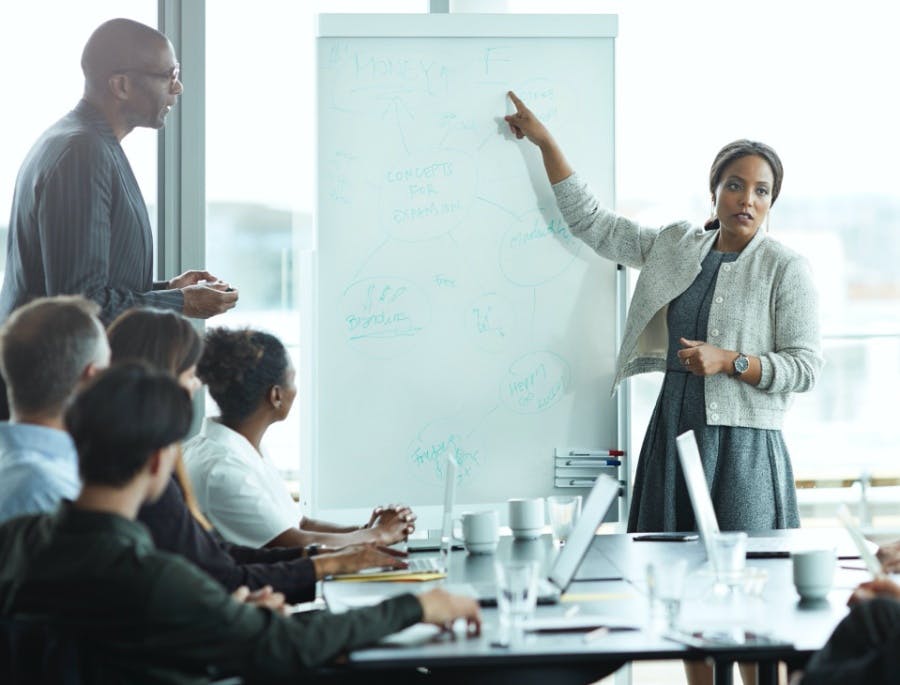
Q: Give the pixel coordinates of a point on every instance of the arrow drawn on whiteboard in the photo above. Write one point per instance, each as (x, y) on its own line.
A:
(481, 421)
(368, 259)
(498, 206)
(394, 106)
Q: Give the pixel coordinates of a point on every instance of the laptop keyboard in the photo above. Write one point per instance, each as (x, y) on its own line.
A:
(424, 565)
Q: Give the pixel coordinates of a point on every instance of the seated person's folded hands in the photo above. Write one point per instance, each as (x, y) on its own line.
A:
(264, 597)
(391, 523)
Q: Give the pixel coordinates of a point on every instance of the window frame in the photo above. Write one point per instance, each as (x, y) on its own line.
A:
(181, 188)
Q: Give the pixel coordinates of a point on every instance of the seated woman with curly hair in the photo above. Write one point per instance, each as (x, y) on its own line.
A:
(250, 376)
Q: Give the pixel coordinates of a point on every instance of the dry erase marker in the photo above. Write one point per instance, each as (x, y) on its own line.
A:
(597, 453)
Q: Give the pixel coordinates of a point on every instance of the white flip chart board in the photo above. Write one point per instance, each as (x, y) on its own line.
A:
(453, 310)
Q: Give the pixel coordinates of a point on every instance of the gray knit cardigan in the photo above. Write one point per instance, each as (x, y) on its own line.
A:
(764, 305)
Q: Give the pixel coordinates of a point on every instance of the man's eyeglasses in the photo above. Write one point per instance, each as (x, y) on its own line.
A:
(172, 75)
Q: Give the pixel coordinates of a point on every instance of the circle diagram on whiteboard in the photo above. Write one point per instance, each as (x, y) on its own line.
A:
(535, 382)
(491, 322)
(434, 442)
(384, 316)
(537, 247)
(426, 195)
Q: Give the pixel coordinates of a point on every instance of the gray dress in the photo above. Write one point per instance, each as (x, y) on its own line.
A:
(748, 470)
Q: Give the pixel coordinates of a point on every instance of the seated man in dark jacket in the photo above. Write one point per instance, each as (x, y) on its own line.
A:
(865, 647)
(142, 614)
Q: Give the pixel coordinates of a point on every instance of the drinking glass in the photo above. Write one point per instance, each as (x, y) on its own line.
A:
(729, 558)
(563, 511)
(516, 596)
(665, 586)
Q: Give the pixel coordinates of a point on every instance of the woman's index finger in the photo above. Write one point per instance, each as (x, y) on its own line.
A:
(520, 106)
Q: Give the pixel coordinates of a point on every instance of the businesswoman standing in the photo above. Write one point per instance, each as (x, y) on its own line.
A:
(728, 314)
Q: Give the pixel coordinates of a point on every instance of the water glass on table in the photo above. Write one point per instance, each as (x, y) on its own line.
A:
(665, 587)
(729, 559)
(563, 511)
(517, 582)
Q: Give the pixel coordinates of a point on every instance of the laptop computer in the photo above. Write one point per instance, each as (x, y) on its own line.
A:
(550, 589)
(442, 537)
(869, 558)
(698, 490)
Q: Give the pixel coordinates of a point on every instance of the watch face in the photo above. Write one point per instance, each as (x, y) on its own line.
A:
(741, 364)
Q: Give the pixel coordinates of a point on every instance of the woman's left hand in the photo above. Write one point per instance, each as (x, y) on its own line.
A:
(703, 359)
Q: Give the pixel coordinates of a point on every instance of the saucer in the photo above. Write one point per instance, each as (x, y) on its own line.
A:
(813, 593)
(481, 547)
(751, 580)
(526, 533)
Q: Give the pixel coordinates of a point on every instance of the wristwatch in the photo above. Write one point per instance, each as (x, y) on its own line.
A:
(312, 549)
(741, 363)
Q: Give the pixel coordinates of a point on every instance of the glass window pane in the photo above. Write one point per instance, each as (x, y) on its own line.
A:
(42, 78)
(260, 166)
(685, 88)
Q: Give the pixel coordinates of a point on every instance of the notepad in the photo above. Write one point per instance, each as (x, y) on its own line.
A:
(418, 570)
(400, 576)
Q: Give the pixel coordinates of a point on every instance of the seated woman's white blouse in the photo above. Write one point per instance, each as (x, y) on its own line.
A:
(238, 489)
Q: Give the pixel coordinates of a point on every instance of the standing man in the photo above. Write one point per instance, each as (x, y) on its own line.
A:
(79, 224)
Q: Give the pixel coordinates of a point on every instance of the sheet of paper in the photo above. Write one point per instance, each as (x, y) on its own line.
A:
(393, 577)
(416, 634)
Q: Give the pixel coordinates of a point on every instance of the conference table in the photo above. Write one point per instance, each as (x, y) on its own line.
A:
(611, 582)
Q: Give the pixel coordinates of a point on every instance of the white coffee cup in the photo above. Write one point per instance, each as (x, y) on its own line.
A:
(526, 517)
(813, 572)
(480, 531)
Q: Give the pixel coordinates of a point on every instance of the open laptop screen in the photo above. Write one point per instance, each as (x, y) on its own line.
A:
(602, 495)
(450, 476)
(692, 468)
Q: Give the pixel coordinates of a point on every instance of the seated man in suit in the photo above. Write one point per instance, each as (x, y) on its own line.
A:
(48, 348)
(145, 614)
